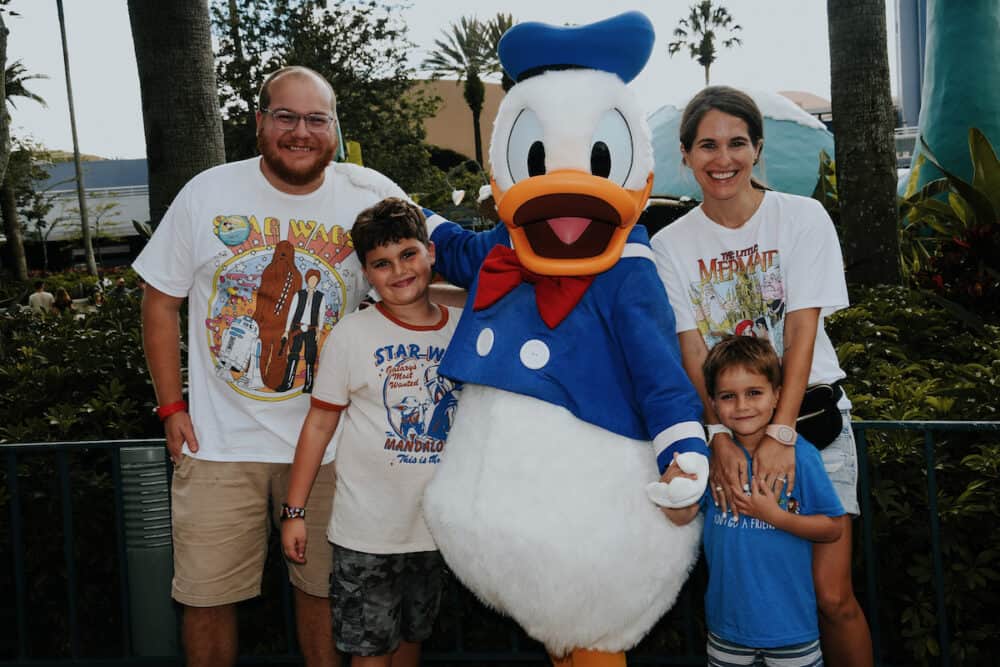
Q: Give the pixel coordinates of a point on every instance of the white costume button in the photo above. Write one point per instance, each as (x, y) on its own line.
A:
(534, 354)
(485, 342)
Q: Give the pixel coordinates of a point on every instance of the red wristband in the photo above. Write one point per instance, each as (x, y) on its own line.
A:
(164, 411)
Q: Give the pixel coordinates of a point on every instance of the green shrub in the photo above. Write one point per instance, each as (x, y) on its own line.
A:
(910, 355)
(76, 376)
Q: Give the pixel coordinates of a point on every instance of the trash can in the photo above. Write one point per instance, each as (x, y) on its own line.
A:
(149, 550)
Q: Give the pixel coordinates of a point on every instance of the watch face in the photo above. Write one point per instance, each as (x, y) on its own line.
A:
(783, 434)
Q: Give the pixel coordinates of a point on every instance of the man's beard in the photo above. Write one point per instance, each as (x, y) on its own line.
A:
(301, 176)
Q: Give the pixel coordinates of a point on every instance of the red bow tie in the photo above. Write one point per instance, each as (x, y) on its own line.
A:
(555, 296)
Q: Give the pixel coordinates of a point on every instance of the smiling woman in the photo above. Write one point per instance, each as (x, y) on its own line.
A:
(765, 264)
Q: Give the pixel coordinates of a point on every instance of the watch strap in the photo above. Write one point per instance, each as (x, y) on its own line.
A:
(289, 512)
(711, 430)
(786, 435)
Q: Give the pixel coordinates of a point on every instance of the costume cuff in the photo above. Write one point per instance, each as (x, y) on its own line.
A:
(680, 438)
(433, 221)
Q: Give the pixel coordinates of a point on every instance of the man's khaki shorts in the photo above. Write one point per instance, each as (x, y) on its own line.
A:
(221, 528)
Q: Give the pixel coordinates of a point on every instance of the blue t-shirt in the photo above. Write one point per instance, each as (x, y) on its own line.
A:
(760, 586)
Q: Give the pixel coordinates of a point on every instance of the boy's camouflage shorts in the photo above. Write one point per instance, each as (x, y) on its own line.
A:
(379, 600)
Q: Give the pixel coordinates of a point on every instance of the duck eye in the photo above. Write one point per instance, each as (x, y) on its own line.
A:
(600, 160)
(611, 148)
(525, 148)
(536, 159)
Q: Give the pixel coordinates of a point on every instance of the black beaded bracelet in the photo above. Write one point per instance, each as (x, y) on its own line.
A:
(292, 512)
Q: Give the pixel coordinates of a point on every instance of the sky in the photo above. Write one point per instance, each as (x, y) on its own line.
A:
(785, 47)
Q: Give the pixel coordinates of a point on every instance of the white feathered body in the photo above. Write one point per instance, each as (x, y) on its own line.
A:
(545, 517)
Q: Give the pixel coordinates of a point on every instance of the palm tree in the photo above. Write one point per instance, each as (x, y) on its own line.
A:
(180, 103)
(88, 245)
(465, 53)
(495, 28)
(15, 78)
(697, 33)
(4, 121)
(863, 121)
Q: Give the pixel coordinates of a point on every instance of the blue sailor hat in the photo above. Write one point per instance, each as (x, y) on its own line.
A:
(620, 45)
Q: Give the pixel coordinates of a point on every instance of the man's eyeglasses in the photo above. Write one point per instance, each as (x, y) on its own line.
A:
(286, 120)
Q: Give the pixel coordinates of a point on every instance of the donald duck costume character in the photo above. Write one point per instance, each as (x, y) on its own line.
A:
(575, 399)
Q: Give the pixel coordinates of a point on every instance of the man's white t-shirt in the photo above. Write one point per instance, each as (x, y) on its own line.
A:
(392, 432)
(786, 257)
(41, 302)
(239, 250)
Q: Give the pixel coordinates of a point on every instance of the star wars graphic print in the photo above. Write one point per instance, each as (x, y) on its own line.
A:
(741, 292)
(274, 302)
(419, 404)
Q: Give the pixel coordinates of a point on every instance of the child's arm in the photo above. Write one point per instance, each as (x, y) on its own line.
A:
(762, 504)
(683, 515)
(315, 435)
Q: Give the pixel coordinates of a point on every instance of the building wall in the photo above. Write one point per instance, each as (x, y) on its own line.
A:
(452, 126)
(130, 203)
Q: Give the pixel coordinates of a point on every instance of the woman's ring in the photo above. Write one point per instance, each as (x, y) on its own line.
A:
(718, 488)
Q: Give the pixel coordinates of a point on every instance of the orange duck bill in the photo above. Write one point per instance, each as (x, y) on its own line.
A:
(569, 223)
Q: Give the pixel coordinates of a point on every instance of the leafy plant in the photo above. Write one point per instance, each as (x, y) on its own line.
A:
(950, 232)
(908, 357)
(825, 191)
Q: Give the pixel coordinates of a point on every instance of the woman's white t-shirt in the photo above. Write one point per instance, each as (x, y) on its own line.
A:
(786, 257)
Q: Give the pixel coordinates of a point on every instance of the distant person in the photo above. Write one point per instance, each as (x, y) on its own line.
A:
(41, 301)
(237, 246)
(120, 290)
(760, 604)
(387, 572)
(63, 302)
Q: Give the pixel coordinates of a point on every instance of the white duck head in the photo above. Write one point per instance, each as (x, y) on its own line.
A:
(571, 152)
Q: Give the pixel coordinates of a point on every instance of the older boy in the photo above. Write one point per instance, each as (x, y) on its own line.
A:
(379, 377)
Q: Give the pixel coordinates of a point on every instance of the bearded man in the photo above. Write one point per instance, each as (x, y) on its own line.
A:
(237, 243)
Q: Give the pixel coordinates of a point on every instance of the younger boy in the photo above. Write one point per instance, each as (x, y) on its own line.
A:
(760, 603)
(378, 382)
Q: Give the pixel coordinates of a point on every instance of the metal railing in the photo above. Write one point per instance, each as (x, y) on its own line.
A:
(103, 460)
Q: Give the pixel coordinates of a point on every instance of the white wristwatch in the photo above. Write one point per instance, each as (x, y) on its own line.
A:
(712, 429)
(786, 435)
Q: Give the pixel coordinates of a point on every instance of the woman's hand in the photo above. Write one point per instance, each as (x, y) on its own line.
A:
(727, 472)
(774, 464)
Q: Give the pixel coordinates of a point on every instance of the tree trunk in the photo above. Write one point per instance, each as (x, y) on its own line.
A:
(479, 141)
(706, 75)
(4, 118)
(88, 246)
(180, 104)
(14, 247)
(863, 121)
(12, 228)
(475, 96)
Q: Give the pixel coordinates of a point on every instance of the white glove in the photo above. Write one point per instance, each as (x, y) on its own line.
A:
(682, 492)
